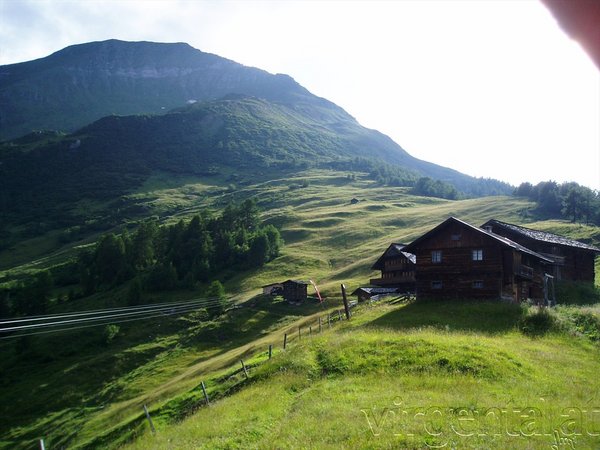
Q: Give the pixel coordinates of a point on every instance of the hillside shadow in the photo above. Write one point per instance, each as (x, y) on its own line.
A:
(251, 320)
(479, 316)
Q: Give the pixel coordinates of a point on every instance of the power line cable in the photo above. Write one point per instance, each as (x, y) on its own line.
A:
(101, 318)
(71, 328)
(99, 311)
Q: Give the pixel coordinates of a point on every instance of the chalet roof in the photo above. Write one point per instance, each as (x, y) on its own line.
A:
(500, 239)
(375, 290)
(296, 282)
(541, 236)
(393, 250)
(271, 284)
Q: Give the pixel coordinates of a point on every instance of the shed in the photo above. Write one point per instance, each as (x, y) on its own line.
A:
(295, 290)
(272, 289)
(366, 293)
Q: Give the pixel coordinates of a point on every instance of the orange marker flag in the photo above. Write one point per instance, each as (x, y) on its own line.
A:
(316, 290)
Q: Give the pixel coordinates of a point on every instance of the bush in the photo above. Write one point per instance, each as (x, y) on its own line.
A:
(110, 333)
(588, 325)
(537, 323)
(577, 293)
(580, 321)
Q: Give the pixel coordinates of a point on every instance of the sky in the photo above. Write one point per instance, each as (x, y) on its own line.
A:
(490, 88)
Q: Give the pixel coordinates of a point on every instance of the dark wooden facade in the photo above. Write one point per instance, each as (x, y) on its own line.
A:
(398, 269)
(458, 260)
(571, 260)
(272, 289)
(295, 290)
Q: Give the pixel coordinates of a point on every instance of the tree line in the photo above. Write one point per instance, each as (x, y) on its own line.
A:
(435, 188)
(568, 200)
(158, 258)
(182, 254)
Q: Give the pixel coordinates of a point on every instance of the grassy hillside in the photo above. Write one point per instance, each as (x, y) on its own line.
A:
(407, 376)
(86, 390)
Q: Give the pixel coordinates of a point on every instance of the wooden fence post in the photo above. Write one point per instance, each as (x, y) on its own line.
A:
(42, 446)
(244, 367)
(205, 393)
(149, 420)
(339, 316)
(270, 350)
(346, 307)
(310, 331)
(299, 334)
(284, 340)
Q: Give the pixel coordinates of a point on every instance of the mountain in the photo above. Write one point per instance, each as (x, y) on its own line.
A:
(83, 83)
(136, 108)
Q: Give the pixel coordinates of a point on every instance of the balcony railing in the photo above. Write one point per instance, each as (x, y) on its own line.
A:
(391, 281)
(524, 271)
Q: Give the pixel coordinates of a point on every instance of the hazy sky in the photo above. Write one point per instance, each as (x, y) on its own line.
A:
(491, 88)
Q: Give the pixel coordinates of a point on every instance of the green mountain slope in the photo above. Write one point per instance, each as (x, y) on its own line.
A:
(82, 83)
(47, 175)
(265, 120)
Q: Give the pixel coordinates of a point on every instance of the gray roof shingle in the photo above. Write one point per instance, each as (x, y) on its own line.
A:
(541, 236)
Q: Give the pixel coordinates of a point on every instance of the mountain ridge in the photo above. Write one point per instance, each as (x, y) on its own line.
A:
(88, 81)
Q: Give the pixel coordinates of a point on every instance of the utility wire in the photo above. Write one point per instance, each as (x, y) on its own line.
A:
(101, 318)
(128, 311)
(71, 328)
(107, 310)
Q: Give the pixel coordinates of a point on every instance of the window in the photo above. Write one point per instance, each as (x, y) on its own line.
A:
(477, 284)
(436, 285)
(436, 256)
(478, 255)
(455, 237)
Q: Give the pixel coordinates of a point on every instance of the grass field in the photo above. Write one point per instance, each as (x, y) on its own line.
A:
(409, 376)
(80, 391)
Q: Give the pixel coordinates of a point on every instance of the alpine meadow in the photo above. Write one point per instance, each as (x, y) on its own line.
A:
(181, 237)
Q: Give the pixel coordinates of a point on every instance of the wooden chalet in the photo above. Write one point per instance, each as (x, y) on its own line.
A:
(571, 260)
(295, 290)
(458, 260)
(398, 269)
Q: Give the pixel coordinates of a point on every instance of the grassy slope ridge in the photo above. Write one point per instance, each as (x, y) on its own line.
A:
(386, 380)
(327, 239)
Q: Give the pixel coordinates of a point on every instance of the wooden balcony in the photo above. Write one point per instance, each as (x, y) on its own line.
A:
(524, 271)
(398, 267)
(392, 281)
